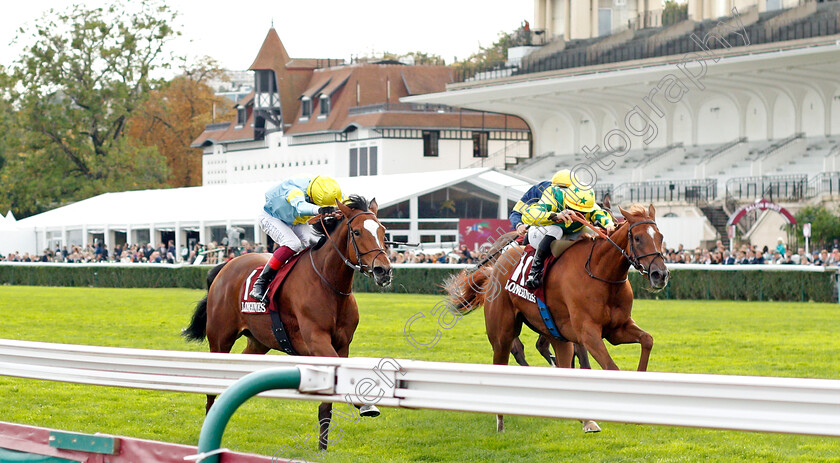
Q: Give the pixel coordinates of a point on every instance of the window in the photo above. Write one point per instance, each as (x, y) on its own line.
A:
(305, 107)
(354, 162)
(325, 105)
(372, 159)
(264, 81)
(480, 144)
(240, 116)
(363, 161)
(430, 143)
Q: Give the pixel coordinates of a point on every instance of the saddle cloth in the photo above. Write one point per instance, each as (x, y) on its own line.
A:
(253, 306)
(516, 283)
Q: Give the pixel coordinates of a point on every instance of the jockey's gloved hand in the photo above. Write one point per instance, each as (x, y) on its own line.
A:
(326, 210)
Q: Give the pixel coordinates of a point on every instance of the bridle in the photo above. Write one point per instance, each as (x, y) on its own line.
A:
(634, 259)
(359, 266)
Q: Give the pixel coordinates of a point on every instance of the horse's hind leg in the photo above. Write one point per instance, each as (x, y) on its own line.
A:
(582, 356)
(542, 346)
(501, 331)
(518, 352)
(220, 342)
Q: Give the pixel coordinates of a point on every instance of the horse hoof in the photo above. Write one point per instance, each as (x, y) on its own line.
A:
(500, 423)
(591, 426)
(369, 411)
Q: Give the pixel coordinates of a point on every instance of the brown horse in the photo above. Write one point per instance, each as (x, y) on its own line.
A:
(587, 293)
(315, 302)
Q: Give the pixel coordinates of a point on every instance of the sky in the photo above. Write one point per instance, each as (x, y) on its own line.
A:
(232, 31)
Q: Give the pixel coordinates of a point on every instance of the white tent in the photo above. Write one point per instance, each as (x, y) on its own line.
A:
(14, 238)
(198, 208)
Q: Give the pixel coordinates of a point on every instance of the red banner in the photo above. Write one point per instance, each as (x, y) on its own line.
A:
(480, 234)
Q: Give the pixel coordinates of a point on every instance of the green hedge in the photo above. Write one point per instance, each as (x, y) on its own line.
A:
(757, 285)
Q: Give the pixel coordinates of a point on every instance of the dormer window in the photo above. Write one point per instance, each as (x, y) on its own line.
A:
(325, 105)
(241, 116)
(305, 107)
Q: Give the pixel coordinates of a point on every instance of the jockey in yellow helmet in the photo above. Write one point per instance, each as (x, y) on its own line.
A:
(563, 179)
(550, 220)
(288, 206)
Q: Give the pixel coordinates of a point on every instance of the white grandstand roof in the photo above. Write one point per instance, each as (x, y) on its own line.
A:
(240, 203)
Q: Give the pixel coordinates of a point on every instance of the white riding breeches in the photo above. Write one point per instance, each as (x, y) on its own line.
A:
(296, 237)
(536, 233)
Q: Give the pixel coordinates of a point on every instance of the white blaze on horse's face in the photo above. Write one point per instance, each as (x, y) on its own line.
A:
(652, 233)
(373, 226)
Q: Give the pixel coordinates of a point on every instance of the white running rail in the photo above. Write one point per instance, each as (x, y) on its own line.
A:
(784, 405)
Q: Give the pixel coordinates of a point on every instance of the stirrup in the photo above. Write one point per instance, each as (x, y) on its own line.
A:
(533, 282)
(259, 297)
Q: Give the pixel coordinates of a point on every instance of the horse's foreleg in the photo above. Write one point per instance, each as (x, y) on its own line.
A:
(590, 336)
(518, 352)
(564, 351)
(630, 333)
(324, 417)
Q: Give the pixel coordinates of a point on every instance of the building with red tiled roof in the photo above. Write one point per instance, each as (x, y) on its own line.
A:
(345, 120)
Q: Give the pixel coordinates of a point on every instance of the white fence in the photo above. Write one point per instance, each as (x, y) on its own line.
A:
(785, 405)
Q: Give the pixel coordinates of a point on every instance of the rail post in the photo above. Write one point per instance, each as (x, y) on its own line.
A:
(246, 387)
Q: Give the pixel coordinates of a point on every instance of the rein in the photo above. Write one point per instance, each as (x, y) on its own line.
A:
(351, 239)
(634, 260)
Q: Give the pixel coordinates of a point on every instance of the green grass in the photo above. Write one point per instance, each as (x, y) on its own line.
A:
(772, 339)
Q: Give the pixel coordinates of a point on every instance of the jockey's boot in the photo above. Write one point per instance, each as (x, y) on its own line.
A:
(535, 275)
(281, 255)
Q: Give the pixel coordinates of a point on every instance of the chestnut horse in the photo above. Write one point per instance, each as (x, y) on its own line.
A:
(316, 306)
(587, 293)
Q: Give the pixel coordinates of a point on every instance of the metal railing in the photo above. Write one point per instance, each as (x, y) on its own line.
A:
(771, 187)
(824, 183)
(823, 24)
(401, 107)
(689, 191)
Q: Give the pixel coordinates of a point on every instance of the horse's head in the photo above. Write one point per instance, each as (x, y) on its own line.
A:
(367, 238)
(645, 244)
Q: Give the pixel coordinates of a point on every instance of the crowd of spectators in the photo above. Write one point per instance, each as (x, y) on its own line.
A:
(458, 255)
(136, 253)
(216, 253)
(752, 255)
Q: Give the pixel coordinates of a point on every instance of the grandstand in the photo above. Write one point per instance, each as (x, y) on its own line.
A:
(717, 113)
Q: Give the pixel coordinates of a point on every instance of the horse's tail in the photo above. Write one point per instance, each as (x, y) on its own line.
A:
(472, 287)
(467, 289)
(197, 330)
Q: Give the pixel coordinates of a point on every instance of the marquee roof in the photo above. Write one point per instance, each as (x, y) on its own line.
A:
(240, 203)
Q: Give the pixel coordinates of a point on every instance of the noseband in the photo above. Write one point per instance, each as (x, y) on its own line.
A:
(634, 259)
(359, 266)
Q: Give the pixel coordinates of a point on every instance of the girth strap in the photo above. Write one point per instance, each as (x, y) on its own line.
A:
(280, 334)
(548, 320)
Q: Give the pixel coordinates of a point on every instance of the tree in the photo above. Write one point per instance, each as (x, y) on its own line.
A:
(495, 55)
(175, 114)
(81, 76)
(674, 12)
(825, 225)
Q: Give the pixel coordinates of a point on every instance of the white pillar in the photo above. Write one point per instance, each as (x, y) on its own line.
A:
(152, 235)
(177, 242)
(129, 240)
(503, 200)
(63, 237)
(413, 215)
(109, 243)
(593, 19)
(85, 240)
(202, 233)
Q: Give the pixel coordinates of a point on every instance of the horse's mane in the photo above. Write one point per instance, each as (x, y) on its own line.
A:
(637, 209)
(356, 202)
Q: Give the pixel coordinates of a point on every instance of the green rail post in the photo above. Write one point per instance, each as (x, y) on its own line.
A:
(246, 387)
